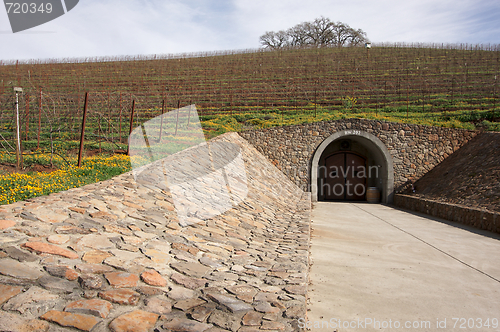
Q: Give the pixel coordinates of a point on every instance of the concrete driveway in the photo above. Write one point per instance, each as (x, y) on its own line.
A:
(376, 268)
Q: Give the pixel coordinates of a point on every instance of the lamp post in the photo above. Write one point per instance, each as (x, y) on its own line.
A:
(368, 46)
(19, 162)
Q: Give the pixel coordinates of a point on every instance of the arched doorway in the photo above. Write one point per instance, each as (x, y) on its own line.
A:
(348, 160)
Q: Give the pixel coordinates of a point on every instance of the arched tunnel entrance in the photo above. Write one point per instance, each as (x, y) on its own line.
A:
(347, 163)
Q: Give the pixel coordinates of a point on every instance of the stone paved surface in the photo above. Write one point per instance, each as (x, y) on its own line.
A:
(113, 256)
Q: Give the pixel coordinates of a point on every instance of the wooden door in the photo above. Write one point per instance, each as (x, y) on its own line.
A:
(344, 177)
(334, 183)
(356, 177)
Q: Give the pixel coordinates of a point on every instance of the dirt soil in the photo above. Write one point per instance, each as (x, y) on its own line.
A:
(9, 168)
(470, 176)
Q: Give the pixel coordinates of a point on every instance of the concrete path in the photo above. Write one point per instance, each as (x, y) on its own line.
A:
(376, 267)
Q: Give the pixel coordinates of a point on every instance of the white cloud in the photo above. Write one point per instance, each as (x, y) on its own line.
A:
(383, 20)
(97, 28)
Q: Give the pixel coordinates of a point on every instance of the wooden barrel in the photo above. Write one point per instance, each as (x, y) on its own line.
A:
(373, 195)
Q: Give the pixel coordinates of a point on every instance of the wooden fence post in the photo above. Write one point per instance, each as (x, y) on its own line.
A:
(27, 115)
(39, 120)
(120, 120)
(19, 156)
(131, 125)
(82, 136)
(177, 120)
(161, 123)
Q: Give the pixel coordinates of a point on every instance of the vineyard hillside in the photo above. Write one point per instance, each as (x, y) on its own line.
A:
(434, 84)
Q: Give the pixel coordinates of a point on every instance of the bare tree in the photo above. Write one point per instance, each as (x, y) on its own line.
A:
(298, 35)
(358, 37)
(321, 32)
(347, 36)
(274, 40)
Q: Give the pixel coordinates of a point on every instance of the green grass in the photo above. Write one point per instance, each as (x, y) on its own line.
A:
(413, 114)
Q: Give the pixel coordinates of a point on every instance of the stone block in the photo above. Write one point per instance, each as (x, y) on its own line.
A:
(68, 319)
(135, 321)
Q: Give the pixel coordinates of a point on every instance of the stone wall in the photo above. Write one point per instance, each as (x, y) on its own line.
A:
(469, 177)
(415, 149)
(478, 218)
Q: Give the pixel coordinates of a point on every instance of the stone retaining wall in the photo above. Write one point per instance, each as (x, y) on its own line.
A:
(415, 149)
(469, 177)
(115, 256)
(482, 219)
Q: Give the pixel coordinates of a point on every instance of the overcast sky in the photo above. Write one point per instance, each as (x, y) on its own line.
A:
(131, 27)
